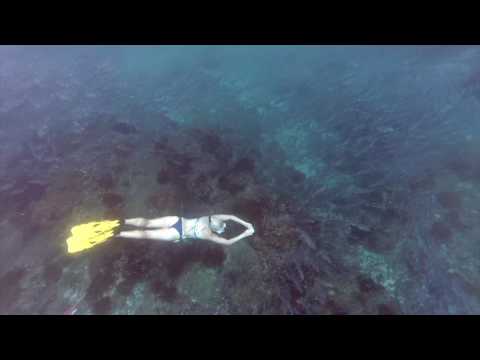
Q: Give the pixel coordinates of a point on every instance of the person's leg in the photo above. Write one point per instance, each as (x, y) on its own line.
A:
(162, 222)
(169, 234)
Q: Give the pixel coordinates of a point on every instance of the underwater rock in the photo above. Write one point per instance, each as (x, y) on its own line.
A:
(372, 197)
(182, 258)
(176, 170)
(306, 239)
(67, 144)
(52, 273)
(103, 278)
(102, 306)
(422, 182)
(232, 183)
(394, 216)
(440, 232)
(367, 285)
(54, 207)
(114, 213)
(388, 309)
(245, 164)
(124, 128)
(202, 188)
(275, 233)
(297, 177)
(453, 218)
(112, 200)
(106, 182)
(164, 291)
(233, 277)
(360, 233)
(25, 192)
(168, 199)
(417, 261)
(341, 200)
(180, 163)
(461, 166)
(224, 155)
(450, 199)
(166, 122)
(164, 176)
(290, 175)
(310, 225)
(125, 287)
(214, 256)
(374, 240)
(11, 290)
(371, 178)
(297, 279)
(335, 308)
(160, 146)
(123, 151)
(138, 266)
(210, 143)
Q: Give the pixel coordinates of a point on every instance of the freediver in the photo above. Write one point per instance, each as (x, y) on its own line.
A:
(176, 229)
(166, 228)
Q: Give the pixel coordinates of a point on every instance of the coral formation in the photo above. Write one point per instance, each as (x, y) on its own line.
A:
(440, 232)
(124, 128)
(340, 175)
(450, 199)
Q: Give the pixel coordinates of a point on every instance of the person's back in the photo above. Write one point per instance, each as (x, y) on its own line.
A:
(174, 228)
(167, 228)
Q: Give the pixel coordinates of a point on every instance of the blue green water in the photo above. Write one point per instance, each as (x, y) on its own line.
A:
(357, 165)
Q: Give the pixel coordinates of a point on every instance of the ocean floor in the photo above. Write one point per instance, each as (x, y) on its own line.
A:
(358, 167)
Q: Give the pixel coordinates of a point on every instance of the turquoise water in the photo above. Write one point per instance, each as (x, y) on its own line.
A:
(357, 165)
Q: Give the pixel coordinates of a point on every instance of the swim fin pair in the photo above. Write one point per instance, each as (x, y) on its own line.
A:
(88, 235)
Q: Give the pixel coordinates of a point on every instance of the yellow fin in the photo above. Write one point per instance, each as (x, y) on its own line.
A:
(88, 235)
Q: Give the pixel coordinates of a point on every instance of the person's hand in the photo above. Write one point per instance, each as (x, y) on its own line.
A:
(249, 231)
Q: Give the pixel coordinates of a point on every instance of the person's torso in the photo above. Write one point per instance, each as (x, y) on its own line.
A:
(198, 228)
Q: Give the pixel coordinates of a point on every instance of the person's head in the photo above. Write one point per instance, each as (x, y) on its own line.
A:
(217, 226)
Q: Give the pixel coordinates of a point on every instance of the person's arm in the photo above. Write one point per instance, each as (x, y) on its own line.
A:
(236, 219)
(220, 240)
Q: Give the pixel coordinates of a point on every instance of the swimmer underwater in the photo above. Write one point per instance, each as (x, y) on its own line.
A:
(167, 228)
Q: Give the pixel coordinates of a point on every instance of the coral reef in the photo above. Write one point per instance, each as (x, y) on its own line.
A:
(441, 233)
(112, 200)
(341, 173)
(450, 199)
(106, 182)
(102, 306)
(10, 283)
(124, 128)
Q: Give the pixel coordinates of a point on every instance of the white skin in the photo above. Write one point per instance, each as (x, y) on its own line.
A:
(198, 228)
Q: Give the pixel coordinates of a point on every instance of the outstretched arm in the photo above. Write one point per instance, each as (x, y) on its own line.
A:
(220, 240)
(236, 219)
